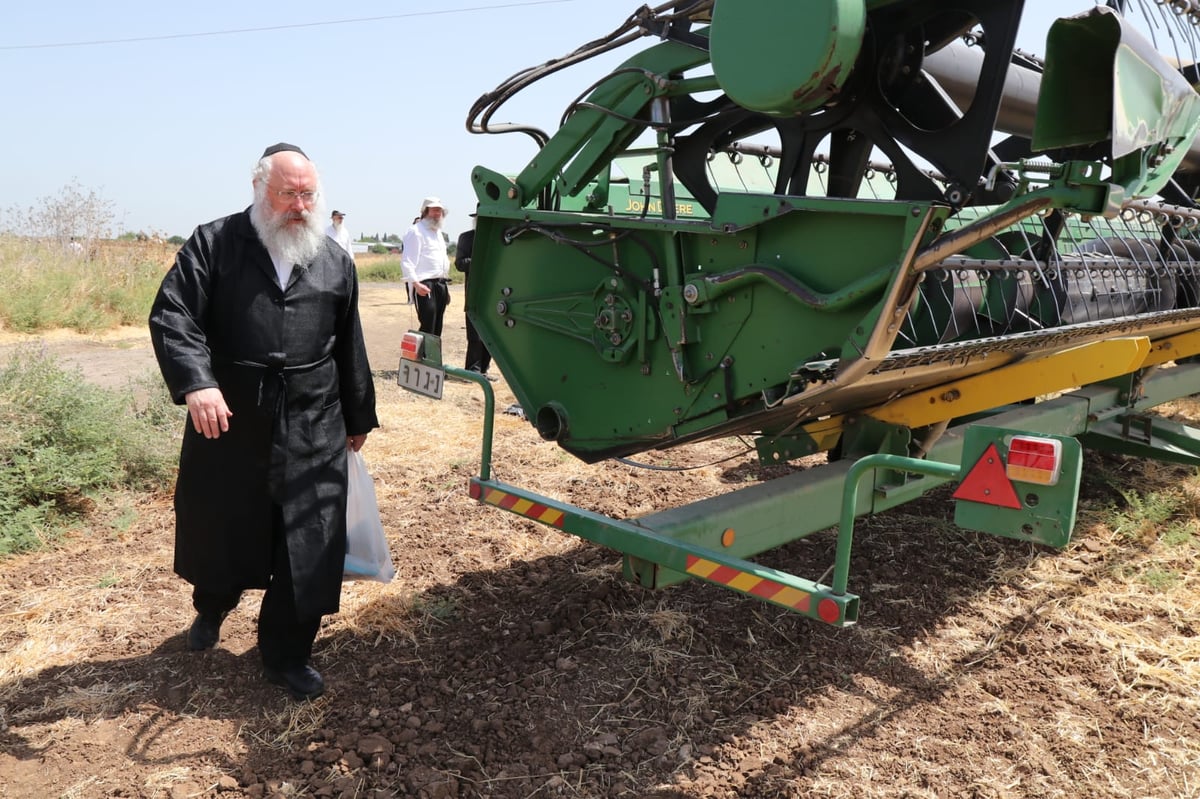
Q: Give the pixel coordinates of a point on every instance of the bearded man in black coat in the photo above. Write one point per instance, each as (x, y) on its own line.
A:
(256, 329)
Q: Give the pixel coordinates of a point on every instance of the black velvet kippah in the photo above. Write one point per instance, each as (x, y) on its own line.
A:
(282, 147)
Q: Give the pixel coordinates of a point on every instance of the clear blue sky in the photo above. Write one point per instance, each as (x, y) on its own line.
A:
(376, 92)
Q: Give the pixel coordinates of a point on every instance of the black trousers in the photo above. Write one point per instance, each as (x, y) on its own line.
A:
(284, 641)
(431, 308)
(478, 357)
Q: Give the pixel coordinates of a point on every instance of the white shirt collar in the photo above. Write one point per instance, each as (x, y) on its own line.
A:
(283, 270)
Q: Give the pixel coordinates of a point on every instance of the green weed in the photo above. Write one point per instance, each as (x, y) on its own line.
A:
(1160, 579)
(1145, 513)
(64, 441)
(1178, 534)
(438, 609)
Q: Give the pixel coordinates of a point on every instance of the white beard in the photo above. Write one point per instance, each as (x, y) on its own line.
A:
(291, 244)
(432, 224)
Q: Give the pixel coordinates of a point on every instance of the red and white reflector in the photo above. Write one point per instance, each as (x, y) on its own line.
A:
(1034, 459)
(412, 346)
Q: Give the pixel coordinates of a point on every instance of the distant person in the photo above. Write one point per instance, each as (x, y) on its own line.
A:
(478, 357)
(426, 265)
(256, 328)
(338, 231)
(409, 296)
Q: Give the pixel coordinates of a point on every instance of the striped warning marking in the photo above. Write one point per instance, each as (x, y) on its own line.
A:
(520, 506)
(760, 587)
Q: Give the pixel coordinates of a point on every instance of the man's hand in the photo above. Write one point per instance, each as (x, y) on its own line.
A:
(354, 443)
(421, 289)
(210, 415)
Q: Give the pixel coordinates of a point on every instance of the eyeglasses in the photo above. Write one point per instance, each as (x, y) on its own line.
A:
(289, 196)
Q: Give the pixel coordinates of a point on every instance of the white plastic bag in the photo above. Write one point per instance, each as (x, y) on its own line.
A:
(367, 554)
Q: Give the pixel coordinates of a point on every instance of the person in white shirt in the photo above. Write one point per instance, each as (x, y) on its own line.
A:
(339, 233)
(426, 265)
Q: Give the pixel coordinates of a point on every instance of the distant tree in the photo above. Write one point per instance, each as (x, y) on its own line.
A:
(141, 236)
(74, 214)
(178, 241)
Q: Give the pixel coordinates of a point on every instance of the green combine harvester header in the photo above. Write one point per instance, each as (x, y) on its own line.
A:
(876, 230)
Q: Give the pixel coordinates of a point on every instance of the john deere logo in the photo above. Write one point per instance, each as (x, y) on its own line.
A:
(681, 209)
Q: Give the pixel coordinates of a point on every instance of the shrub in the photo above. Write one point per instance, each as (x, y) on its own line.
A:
(380, 271)
(63, 441)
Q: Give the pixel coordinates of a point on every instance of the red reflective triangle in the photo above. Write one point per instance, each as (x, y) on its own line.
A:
(987, 483)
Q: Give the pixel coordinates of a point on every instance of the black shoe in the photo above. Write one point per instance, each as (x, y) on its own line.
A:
(479, 371)
(302, 682)
(205, 631)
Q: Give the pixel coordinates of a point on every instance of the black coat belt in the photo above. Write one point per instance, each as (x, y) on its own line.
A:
(272, 400)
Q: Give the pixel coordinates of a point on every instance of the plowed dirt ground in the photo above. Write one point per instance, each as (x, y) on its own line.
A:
(509, 660)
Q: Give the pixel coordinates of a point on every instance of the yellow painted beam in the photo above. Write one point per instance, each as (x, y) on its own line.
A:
(1078, 366)
(1172, 348)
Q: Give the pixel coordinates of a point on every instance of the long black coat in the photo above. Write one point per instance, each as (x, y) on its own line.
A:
(293, 368)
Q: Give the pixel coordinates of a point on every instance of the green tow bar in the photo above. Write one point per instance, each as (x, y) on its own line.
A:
(831, 604)
(899, 463)
(489, 409)
(720, 568)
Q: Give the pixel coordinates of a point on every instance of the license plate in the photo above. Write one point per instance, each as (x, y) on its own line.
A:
(422, 379)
